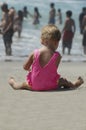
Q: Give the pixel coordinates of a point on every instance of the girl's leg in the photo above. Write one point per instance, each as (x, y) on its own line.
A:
(16, 85)
(67, 84)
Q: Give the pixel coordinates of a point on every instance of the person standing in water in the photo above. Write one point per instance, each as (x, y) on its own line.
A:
(84, 34)
(7, 28)
(36, 16)
(68, 32)
(59, 16)
(52, 14)
(18, 23)
(81, 16)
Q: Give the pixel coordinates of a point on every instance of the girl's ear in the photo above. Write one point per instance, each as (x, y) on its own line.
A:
(42, 41)
(56, 42)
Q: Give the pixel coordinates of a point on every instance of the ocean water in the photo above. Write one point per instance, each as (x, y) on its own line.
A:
(30, 37)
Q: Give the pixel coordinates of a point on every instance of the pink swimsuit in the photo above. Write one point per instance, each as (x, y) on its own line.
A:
(43, 78)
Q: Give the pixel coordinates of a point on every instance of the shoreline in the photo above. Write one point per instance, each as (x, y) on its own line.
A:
(65, 58)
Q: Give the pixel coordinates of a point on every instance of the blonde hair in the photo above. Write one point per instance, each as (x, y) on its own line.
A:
(50, 32)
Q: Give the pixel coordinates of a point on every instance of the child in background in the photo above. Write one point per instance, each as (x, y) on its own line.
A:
(59, 16)
(36, 16)
(43, 64)
(18, 22)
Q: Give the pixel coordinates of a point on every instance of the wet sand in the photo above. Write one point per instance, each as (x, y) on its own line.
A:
(26, 110)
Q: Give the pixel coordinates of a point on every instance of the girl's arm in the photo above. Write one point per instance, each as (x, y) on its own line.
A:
(58, 60)
(29, 62)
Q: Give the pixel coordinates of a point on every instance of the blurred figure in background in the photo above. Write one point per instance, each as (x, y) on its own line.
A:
(81, 16)
(7, 27)
(59, 16)
(18, 21)
(68, 32)
(52, 14)
(84, 34)
(25, 12)
(36, 16)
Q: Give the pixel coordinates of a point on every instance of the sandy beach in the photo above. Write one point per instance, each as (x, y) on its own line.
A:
(26, 110)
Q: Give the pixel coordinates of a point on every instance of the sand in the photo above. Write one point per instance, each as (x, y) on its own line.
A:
(26, 110)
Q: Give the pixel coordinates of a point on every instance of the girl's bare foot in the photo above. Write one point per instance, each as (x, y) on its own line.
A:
(79, 82)
(18, 86)
(12, 82)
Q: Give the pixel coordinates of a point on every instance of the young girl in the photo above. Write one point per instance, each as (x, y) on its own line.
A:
(43, 64)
